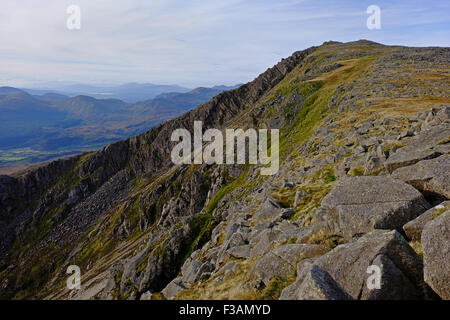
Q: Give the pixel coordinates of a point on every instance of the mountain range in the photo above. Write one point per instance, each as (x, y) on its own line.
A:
(36, 128)
(128, 92)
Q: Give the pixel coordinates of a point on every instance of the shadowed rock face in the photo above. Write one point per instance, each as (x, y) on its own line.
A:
(17, 195)
(349, 115)
(431, 176)
(436, 254)
(414, 228)
(314, 283)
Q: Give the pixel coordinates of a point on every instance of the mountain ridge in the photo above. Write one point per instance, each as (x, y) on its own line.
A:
(140, 227)
(129, 92)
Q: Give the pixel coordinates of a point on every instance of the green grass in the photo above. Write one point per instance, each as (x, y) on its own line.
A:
(202, 226)
(273, 289)
(417, 246)
(445, 141)
(226, 189)
(158, 296)
(357, 172)
(438, 212)
(285, 196)
(330, 178)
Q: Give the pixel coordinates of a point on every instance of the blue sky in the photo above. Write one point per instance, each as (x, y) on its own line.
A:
(195, 42)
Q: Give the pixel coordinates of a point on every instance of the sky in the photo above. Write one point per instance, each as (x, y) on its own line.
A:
(192, 42)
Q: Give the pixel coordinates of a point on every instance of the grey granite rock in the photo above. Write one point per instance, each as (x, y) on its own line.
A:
(361, 204)
(436, 254)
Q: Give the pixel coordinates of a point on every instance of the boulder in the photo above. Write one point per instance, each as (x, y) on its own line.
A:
(228, 269)
(240, 252)
(400, 268)
(146, 296)
(204, 271)
(173, 288)
(420, 147)
(436, 254)
(402, 288)
(287, 213)
(313, 283)
(361, 204)
(238, 225)
(269, 209)
(267, 235)
(263, 242)
(414, 228)
(430, 176)
(299, 195)
(191, 268)
(235, 240)
(373, 164)
(405, 134)
(436, 117)
(196, 272)
(282, 261)
(238, 239)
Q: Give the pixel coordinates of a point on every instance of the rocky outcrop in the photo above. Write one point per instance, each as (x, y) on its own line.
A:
(192, 271)
(435, 117)
(362, 204)
(173, 288)
(269, 209)
(163, 262)
(314, 283)
(429, 176)
(400, 267)
(282, 261)
(427, 145)
(414, 228)
(436, 254)
(17, 195)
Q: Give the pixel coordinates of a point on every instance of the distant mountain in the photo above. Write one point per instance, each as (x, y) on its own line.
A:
(225, 88)
(129, 92)
(22, 114)
(9, 90)
(52, 97)
(174, 101)
(35, 128)
(134, 92)
(90, 109)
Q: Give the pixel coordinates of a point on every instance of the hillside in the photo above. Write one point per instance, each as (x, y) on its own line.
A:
(363, 180)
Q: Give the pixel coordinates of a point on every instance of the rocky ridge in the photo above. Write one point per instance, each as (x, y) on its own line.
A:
(364, 155)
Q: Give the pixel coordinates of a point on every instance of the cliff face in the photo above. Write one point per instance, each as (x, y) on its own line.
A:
(139, 226)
